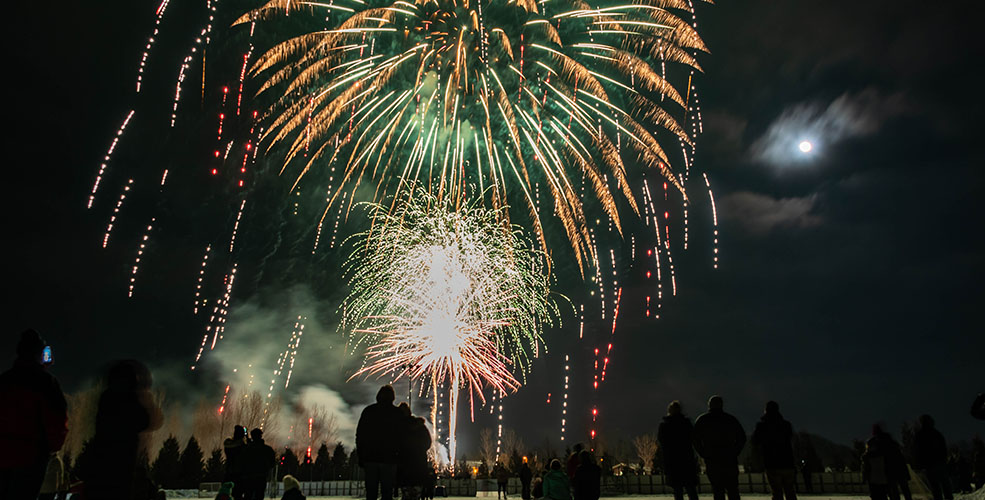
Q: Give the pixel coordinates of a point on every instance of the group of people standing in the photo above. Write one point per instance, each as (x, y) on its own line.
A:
(248, 464)
(393, 449)
(718, 438)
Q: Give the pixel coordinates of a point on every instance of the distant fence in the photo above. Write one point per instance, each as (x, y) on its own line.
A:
(821, 483)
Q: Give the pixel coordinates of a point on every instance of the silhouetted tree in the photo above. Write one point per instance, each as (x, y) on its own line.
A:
(858, 446)
(288, 464)
(339, 462)
(214, 467)
(323, 464)
(353, 465)
(166, 470)
(190, 464)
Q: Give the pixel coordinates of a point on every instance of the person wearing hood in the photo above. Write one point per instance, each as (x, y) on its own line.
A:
(556, 485)
(378, 443)
(719, 438)
(292, 489)
(675, 436)
(773, 438)
(930, 455)
(33, 420)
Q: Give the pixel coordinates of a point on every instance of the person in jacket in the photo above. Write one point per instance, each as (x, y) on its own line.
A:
(257, 460)
(880, 461)
(415, 441)
(719, 438)
(33, 419)
(556, 485)
(572, 464)
(126, 416)
(588, 478)
(526, 475)
(234, 447)
(930, 455)
(675, 436)
(378, 443)
(502, 475)
(773, 438)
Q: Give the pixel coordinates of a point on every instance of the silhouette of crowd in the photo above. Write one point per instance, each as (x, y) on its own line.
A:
(393, 448)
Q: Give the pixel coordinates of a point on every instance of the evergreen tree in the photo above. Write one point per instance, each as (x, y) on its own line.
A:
(323, 464)
(166, 470)
(190, 464)
(339, 463)
(306, 469)
(214, 467)
(288, 463)
(353, 465)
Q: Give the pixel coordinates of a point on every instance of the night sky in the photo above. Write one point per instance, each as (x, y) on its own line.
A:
(850, 278)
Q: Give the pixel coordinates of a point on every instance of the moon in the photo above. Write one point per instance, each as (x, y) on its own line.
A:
(805, 146)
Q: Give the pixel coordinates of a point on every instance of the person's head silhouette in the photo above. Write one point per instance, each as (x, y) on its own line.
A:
(716, 403)
(386, 395)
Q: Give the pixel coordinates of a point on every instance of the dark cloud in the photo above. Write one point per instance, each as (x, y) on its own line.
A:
(757, 213)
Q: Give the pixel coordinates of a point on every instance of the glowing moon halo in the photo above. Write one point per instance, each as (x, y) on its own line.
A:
(805, 146)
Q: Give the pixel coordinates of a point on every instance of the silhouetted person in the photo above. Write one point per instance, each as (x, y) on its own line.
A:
(978, 407)
(126, 416)
(257, 460)
(378, 443)
(32, 420)
(573, 458)
(430, 482)
(773, 438)
(234, 447)
(588, 478)
(292, 489)
(502, 475)
(415, 442)
(930, 455)
(676, 436)
(526, 475)
(556, 485)
(880, 461)
(718, 438)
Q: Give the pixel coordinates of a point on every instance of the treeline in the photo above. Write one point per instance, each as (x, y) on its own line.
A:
(176, 467)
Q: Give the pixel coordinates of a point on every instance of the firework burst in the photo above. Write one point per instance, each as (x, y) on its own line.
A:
(489, 93)
(447, 295)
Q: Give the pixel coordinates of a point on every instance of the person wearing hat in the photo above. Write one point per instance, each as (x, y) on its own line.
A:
(33, 419)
